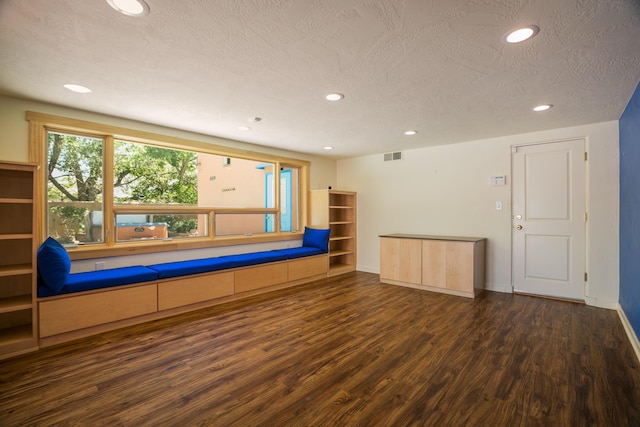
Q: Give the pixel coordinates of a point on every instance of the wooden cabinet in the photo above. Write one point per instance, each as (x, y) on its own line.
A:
(18, 317)
(336, 210)
(453, 265)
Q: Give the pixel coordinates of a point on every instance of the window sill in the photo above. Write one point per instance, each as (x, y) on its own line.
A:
(135, 248)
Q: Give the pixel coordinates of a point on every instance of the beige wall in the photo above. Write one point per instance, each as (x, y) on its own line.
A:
(445, 190)
(238, 184)
(15, 133)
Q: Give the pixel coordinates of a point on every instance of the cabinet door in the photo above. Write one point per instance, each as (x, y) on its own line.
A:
(411, 261)
(401, 260)
(389, 259)
(460, 266)
(434, 263)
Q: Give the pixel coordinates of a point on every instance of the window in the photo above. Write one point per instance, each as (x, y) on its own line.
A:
(108, 186)
(74, 186)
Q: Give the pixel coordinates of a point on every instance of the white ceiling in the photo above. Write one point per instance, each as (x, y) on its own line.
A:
(435, 66)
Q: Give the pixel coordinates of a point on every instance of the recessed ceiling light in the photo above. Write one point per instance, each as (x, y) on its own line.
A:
(245, 128)
(328, 147)
(334, 96)
(130, 7)
(521, 34)
(411, 132)
(77, 88)
(543, 107)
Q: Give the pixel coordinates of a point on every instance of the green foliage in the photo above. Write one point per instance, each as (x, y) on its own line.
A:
(142, 174)
(74, 168)
(147, 174)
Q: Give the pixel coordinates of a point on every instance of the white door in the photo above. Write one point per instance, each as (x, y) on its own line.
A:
(549, 205)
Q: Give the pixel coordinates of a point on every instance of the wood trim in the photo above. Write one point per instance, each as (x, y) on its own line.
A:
(40, 123)
(98, 129)
(38, 156)
(109, 234)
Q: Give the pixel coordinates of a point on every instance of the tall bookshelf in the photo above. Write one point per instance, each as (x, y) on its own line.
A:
(18, 316)
(336, 210)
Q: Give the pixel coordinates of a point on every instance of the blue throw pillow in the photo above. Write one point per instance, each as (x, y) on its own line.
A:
(53, 264)
(316, 238)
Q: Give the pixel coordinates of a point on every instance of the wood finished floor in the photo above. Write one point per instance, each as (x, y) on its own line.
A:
(346, 351)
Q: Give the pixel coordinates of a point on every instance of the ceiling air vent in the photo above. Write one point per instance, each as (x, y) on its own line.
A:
(393, 156)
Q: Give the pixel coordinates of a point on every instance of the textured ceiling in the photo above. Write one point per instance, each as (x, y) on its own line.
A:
(436, 66)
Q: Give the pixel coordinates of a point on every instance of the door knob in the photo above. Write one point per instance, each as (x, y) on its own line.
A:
(518, 227)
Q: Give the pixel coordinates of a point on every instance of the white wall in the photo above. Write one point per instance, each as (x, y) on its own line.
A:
(444, 190)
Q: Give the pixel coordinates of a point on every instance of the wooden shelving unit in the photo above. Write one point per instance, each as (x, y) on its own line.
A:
(18, 306)
(336, 210)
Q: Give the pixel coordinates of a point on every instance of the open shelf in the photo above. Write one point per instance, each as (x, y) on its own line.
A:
(340, 252)
(337, 269)
(14, 270)
(18, 310)
(9, 337)
(17, 303)
(336, 210)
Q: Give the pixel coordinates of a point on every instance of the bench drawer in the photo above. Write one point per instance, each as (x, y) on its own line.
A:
(83, 311)
(251, 278)
(307, 267)
(190, 290)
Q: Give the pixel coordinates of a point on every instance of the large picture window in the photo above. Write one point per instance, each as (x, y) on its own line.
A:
(104, 188)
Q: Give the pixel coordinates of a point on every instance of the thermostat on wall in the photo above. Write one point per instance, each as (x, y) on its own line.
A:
(498, 180)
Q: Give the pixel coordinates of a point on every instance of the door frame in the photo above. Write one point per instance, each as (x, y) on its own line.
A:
(587, 174)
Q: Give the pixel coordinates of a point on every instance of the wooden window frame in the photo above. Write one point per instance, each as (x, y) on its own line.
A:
(40, 124)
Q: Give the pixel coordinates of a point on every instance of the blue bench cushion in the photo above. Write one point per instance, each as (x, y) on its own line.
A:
(90, 280)
(293, 253)
(192, 266)
(205, 265)
(254, 258)
(79, 282)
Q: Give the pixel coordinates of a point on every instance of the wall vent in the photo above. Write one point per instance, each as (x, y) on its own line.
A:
(393, 156)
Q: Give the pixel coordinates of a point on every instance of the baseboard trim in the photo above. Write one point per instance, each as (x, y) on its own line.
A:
(633, 339)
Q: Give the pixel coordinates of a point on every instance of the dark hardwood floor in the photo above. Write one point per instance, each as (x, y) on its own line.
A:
(346, 351)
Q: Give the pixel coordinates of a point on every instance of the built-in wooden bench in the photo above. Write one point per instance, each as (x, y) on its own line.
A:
(87, 303)
(70, 316)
